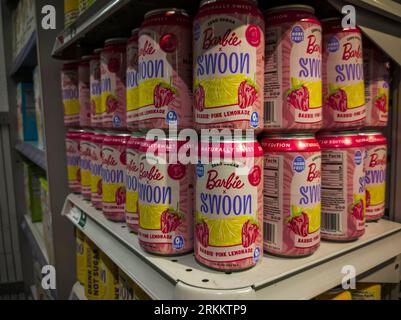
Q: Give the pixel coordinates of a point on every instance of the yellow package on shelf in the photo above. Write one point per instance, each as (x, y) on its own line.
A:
(335, 294)
(92, 283)
(81, 257)
(71, 12)
(108, 278)
(367, 291)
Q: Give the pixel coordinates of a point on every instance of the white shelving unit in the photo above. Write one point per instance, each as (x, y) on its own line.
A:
(274, 278)
(31, 151)
(78, 292)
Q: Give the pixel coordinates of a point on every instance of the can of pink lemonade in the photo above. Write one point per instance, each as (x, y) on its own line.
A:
(375, 173)
(96, 169)
(85, 149)
(132, 81)
(165, 70)
(343, 185)
(292, 194)
(343, 78)
(72, 141)
(229, 203)
(95, 90)
(377, 84)
(229, 50)
(70, 93)
(113, 84)
(84, 92)
(132, 181)
(114, 161)
(165, 193)
(293, 69)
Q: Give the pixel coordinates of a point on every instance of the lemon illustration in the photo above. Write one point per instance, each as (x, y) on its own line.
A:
(147, 89)
(221, 91)
(226, 232)
(377, 194)
(132, 200)
(355, 93)
(314, 89)
(314, 215)
(150, 215)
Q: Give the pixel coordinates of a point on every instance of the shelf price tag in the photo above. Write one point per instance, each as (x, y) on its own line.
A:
(82, 219)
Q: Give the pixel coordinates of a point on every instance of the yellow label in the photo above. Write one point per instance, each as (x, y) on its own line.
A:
(355, 93)
(344, 295)
(367, 292)
(110, 190)
(81, 257)
(126, 287)
(72, 172)
(109, 278)
(221, 91)
(95, 183)
(146, 89)
(384, 92)
(133, 99)
(150, 216)
(71, 107)
(86, 176)
(377, 193)
(314, 89)
(132, 201)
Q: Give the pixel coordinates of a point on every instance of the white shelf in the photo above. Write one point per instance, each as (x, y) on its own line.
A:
(273, 278)
(34, 233)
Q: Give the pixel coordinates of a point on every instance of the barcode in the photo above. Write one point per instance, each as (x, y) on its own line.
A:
(330, 221)
(269, 232)
(270, 111)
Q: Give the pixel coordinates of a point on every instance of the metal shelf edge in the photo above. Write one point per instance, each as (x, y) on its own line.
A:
(23, 54)
(273, 278)
(33, 153)
(35, 238)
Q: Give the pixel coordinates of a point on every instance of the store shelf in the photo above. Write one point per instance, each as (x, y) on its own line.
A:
(27, 57)
(106, 19)
(34, 292)
(34, 233)
(273, 278)
(31, 151)
(78, 292)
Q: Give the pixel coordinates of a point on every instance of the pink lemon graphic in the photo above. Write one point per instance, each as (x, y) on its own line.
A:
(255, 176)
(176, 171)
(123, 158)
(168, 42)
(253, 35)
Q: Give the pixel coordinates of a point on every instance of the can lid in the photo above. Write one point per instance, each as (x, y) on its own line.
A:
(134, 31)
(97, 51)
(71, 64)
(205, 2)
(301, 7)
(115, 41)
(343, 133)
(86, 58)
(167, 11)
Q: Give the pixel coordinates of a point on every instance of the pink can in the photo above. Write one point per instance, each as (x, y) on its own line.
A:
(229, 203)
(132, 181)
(70, 93)
(165, 70)
(293, 69)
(84, 92)
(165, 193)
(343, 185)
(72, 141)
(292, 194)
(229, 49)
(377, 85)
(113, 68)
(95, 90)
(375, 173)
(96, 169)
(132, 81)
(114, 161)
(85, 149)
(343, 79)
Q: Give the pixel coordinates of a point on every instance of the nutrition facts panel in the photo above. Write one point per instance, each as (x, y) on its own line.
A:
(333, 182)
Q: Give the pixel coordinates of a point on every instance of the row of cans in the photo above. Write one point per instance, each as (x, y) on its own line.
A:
(215, 71)
(100, 277)
(240, 195)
